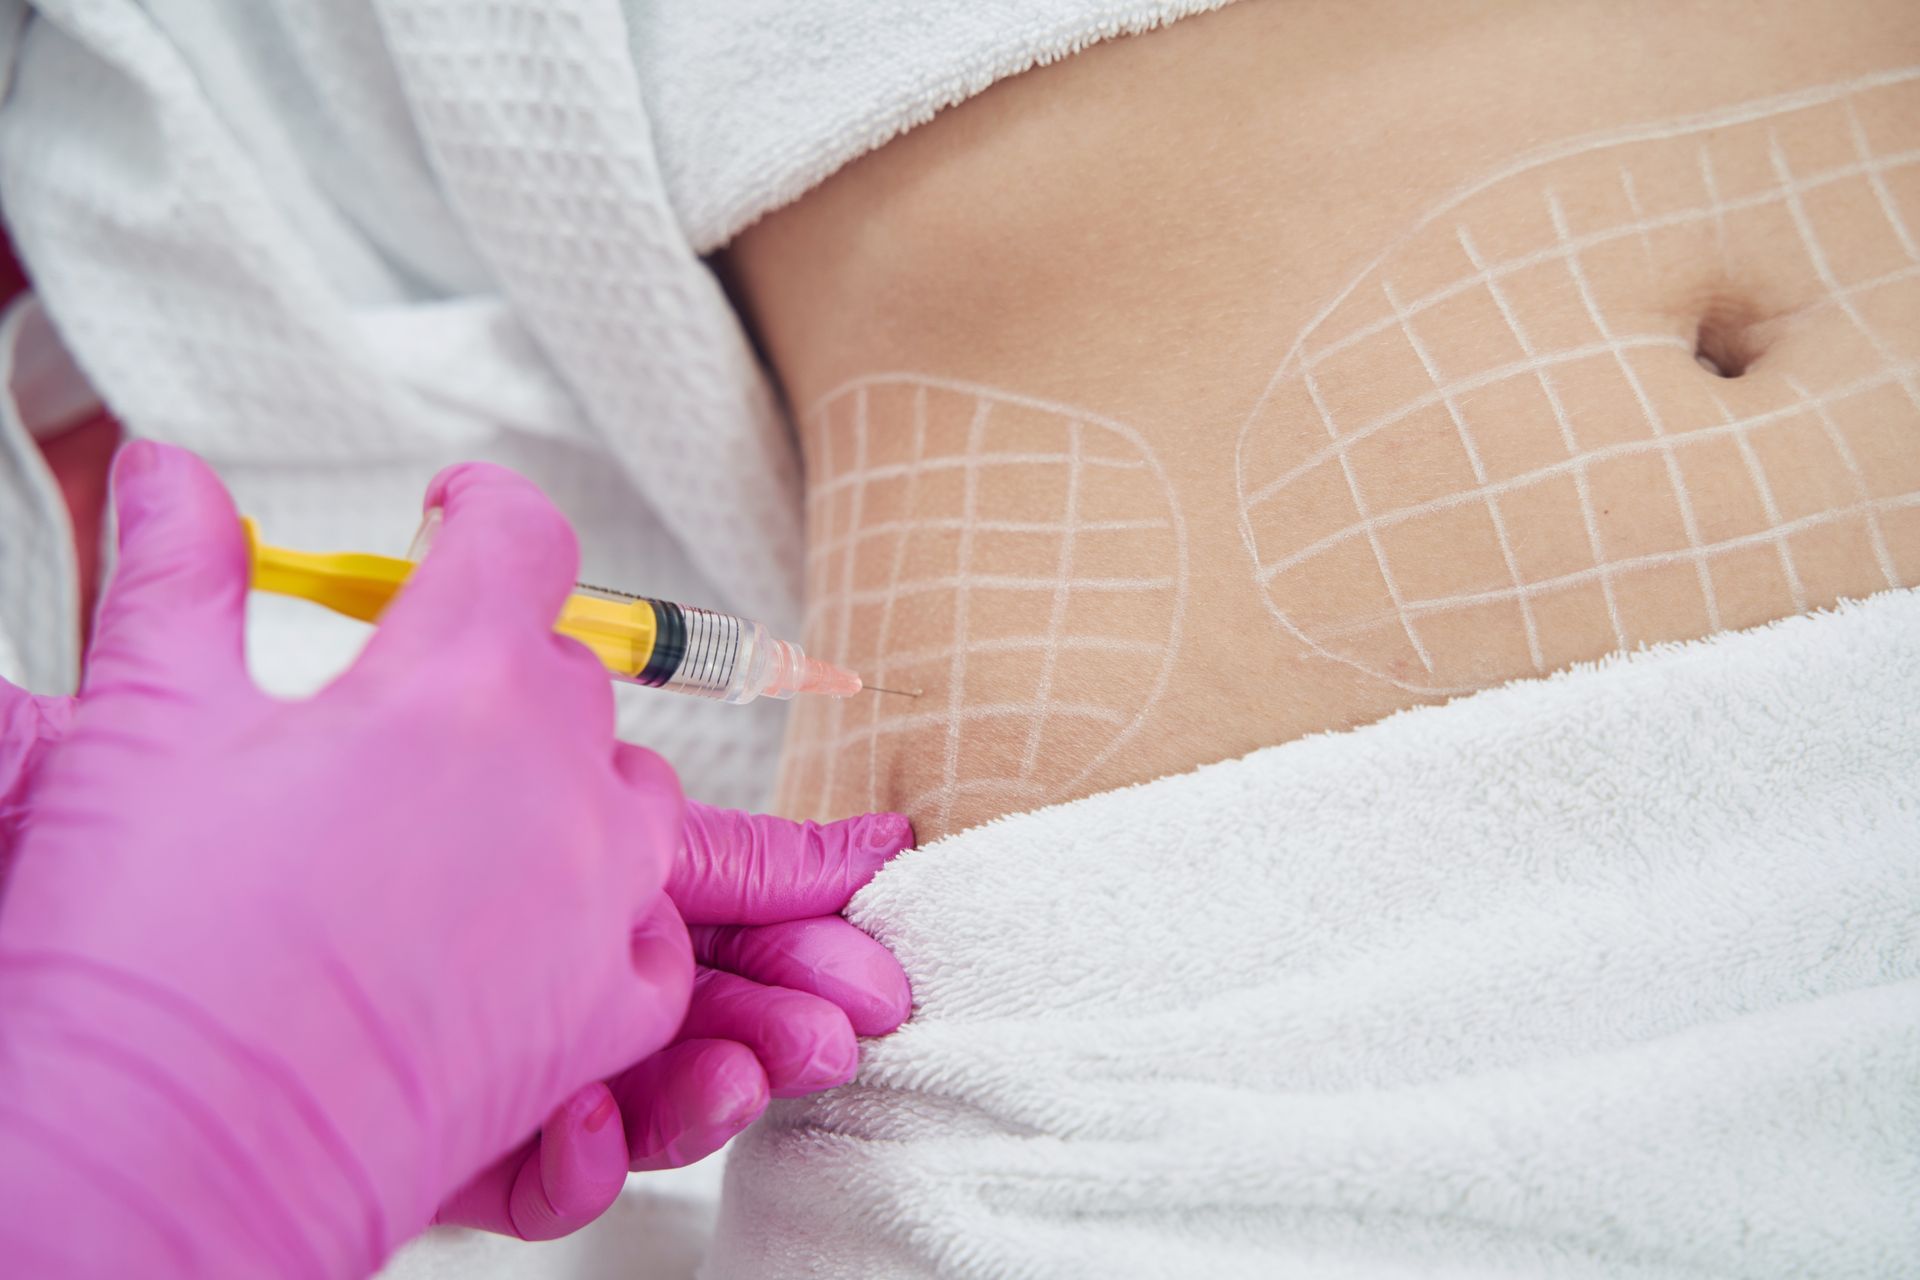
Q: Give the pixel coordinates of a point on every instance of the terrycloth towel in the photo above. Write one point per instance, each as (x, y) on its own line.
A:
(1613, 974)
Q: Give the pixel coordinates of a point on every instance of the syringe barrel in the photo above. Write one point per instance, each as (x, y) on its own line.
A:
(717, 655)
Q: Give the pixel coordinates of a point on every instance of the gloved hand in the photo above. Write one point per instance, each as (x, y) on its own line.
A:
(276, 976)
(783, 988)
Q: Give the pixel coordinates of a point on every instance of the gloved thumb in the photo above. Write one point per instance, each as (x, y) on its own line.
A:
(174, 612)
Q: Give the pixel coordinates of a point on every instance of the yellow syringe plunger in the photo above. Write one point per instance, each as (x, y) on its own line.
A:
(638, 639)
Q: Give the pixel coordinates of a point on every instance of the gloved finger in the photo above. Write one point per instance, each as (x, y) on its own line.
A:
(502, 562)
(685, 1102)
(824, 956)
(30, 726)
(655, 816)
(747, 868)
(564, 1178)
(804, 1044)
(174, 612)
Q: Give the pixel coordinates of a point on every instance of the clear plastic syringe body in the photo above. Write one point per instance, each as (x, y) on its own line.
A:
(731, 659)
(698, 651)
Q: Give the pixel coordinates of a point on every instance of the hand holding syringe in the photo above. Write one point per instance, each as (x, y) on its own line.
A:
(638, 639)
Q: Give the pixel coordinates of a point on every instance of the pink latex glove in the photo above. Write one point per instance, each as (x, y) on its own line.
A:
(784, 988)
(276, 976)
(746, 1037)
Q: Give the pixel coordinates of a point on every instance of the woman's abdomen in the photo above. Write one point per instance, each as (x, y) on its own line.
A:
(1142, 432)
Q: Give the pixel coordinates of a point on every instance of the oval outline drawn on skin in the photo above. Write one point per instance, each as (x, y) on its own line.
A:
(1086, 433)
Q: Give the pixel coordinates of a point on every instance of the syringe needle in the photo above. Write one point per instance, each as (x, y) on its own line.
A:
(904, 693)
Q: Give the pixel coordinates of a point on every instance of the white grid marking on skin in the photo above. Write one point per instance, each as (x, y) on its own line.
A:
(1567, 356)
(1627, 564)
(1715, 203)
(1788, 191)
(942, 795)
(1026, 644)
(818, 567)
(1479, 477)
(1583, 490)
(1715, 212)
(1632, 375)
(1758, 474)
(895, 470)
(1878, 181)
(1639, 214)
(1057, 614)
(1882, 556)
(1341, 443)
(957, 671)
(1009, 582)
(881, 529)
(1817, 256)
(978, 711)
(1625, 449)
(1360, 508)
(902, 531)
(1684, 126)
(846, 572)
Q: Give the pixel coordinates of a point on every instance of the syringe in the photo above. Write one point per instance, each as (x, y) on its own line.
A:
(698, 651)
(638, 639)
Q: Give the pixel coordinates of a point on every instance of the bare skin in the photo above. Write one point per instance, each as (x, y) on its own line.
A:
(1318, 360)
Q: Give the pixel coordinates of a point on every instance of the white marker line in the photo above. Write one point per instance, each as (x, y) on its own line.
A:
(904, 529)
(1023, 644)
(1630, 448)
(895, 470)
(1715, 213)
(1839, 441)
(1652, 559)
(1567, 439)
(957, 671)
(895, 725)
(818, 565)
(965, 582)
(1822, 268)
(953, 525)
(1758, 475)
(1716, 204)
(1462, 387)
(1057, 615)
(1360, 508)
(1645, 401)
(1639, 214)
(1878, 181)
(1787, 321)
(841, 642)
(1479, 475)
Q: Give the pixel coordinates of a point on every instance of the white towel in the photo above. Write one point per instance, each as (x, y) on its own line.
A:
(1611, 974)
